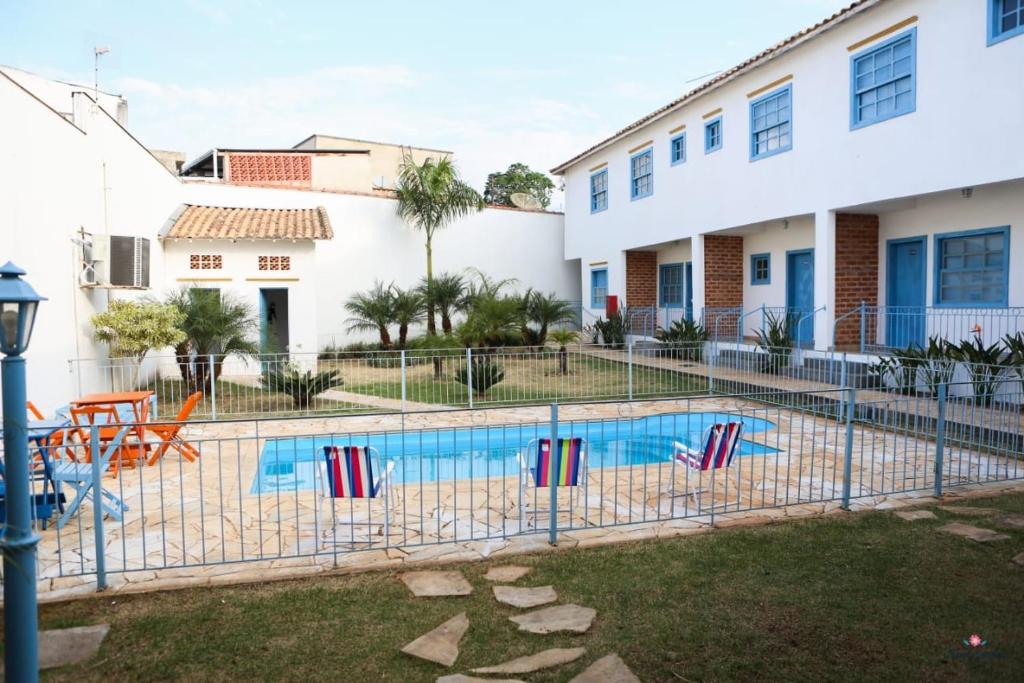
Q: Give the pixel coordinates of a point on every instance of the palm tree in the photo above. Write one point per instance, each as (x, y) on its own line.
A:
(430, 196)
(492, 320)
(544, 310)
(447, 293)
(407, 306)
(563, 338)
(373, 310)
(216, 324)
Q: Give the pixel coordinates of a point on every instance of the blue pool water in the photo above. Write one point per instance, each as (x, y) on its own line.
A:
(288, 464)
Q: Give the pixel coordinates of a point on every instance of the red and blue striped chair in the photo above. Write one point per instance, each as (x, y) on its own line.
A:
(719, 445)
(566, 465)
(347, 474)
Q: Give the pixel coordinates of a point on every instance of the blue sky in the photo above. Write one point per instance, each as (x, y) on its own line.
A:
(494, 82)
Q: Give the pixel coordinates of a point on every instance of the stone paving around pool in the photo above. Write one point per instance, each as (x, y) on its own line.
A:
(199, 524)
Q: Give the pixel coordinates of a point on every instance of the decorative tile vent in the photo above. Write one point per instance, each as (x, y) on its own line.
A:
(205, 261)
(275, 263)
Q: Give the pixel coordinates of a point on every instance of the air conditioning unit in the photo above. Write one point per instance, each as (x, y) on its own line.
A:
(115, 261)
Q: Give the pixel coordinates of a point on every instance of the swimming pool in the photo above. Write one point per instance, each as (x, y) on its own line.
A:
(288, 464)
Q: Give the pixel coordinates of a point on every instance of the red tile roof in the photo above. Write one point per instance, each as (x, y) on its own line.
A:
(220, 222)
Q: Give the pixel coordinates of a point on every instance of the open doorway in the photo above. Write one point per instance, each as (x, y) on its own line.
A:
(274, 320)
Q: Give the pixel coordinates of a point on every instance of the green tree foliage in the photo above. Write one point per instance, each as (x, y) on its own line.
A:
(372, 310)
(303, 387)
(518, 178)
(132, 328)
(430, 196)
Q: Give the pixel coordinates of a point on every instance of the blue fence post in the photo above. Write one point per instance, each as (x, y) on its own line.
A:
(553, 479)
(469, 374)
(851, 404)
(403, 380)
(97, 506)
(940, 439)
(629, 369)
(863, 324)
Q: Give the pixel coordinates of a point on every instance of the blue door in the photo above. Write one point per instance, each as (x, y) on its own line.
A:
(905, 293)
(688, 275)
(800, 295)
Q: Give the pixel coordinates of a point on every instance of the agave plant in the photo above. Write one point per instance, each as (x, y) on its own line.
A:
(1014, 344)
(984, 365)
(939, 363)
(303, 387)
(486, 373)
(563, 338)
(612, 332)
(776, 340)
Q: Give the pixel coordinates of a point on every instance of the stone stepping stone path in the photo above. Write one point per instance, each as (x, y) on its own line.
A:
(1009, 521)
(434, 584)
(463, 678)
(507, 573)
(608, 669)
(913, 515)
(440, 645)
(571, 618)
(973, 532)
(968, 511)
(525, 597)
(535, 662)
(64, 646)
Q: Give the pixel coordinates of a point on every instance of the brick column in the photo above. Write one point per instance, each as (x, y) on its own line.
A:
(723, 278)
(856, 275)
(641, 278)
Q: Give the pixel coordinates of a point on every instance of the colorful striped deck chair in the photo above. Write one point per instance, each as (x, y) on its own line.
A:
(719, 444)
(347, 474)
(566, 465)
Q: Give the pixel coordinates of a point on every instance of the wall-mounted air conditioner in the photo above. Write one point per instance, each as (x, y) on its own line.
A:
(114, 261)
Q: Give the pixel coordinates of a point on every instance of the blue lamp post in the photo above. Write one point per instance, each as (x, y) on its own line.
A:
(18, 304)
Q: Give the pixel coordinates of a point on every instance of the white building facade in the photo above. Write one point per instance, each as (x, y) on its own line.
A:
(71, 173)
(860, 176)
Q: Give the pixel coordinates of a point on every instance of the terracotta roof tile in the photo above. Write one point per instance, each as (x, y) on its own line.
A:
(221, 222)
(841, 15)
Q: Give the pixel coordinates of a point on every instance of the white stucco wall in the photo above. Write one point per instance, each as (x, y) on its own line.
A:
(829, 166)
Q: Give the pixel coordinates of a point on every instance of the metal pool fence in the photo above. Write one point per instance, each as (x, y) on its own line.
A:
(398, 381)
(256, 490)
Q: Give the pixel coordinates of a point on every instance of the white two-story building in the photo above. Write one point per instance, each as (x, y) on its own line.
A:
(865, 177)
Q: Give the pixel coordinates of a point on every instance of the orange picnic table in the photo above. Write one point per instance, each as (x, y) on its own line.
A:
(138, 401)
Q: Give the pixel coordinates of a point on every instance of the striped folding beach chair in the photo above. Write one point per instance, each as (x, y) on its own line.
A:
(347, 474)
(718, 448)
(566, 465)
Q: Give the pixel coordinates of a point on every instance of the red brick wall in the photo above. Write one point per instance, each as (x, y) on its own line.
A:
(642, 278)
(723, 278)
(856, 274)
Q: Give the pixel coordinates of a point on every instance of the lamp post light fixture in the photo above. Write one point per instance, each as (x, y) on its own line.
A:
(18, 305)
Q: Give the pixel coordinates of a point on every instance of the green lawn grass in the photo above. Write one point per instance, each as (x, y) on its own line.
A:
(857, 597)
(236, 400)
(531, 379)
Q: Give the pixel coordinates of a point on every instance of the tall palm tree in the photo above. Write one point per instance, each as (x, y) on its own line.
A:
(373, 310)
(216, 324)
(447, 293)
(407, 307)
(431, 195)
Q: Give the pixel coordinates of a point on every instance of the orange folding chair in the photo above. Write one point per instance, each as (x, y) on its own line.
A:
(168, 433)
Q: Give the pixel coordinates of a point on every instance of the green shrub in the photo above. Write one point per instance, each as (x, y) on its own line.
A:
(685, 340)
(776, 340)
(611, 333)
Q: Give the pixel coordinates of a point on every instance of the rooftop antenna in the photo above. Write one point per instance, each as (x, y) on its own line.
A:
(707, 75)
(97, 53)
